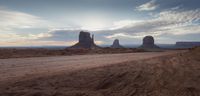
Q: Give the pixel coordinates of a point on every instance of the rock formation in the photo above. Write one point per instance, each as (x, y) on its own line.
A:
(116, 44)
(187, 44)
(148, 43)
(85, 41)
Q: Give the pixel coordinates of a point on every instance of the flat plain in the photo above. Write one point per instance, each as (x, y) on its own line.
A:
(169, 73)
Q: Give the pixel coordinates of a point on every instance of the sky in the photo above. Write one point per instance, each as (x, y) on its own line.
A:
(58, 22)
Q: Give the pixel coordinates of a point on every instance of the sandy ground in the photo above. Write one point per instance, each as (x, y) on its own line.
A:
(171, 73)
(29, 67)
(42, 52)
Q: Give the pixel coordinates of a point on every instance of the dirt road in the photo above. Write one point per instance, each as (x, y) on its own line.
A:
(22, 67)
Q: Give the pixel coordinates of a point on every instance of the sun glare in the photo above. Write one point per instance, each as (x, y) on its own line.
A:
(94, 23)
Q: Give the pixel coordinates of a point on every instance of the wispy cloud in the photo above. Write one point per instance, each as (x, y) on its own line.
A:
(174, 22)
(10, 20)
(37, 43)
(165, 20)
(151, 5)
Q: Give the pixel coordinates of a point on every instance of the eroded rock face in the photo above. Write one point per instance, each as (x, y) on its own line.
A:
(85, 41)
(116, 44)
(148, 40)
(187, 44)
(148, 43)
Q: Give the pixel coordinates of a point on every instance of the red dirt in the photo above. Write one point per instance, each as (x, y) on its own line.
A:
(40, 52)
(176, 74)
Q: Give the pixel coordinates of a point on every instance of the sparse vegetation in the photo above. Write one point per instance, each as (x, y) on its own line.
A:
(40, 52)
(171, 75)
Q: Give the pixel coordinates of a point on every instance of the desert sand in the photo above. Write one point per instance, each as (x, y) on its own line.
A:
(19, 67)
(44, 52)
(170, 73)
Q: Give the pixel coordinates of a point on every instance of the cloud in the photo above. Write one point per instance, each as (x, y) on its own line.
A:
(165, 20)
(118, 35)
(11, 20)
(151, 5)
(174, 22)
(60, 35)
(37, 43)
(18, 27)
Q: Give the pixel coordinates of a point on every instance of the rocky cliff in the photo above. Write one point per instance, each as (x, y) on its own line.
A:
(148, 43)
(85, 41)
(116, 44)
(187, 44)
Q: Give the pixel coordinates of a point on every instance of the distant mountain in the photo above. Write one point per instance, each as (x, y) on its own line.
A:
(148, 43)
(85, 41)
(187, 44)
(116, 44)
(32, 47)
